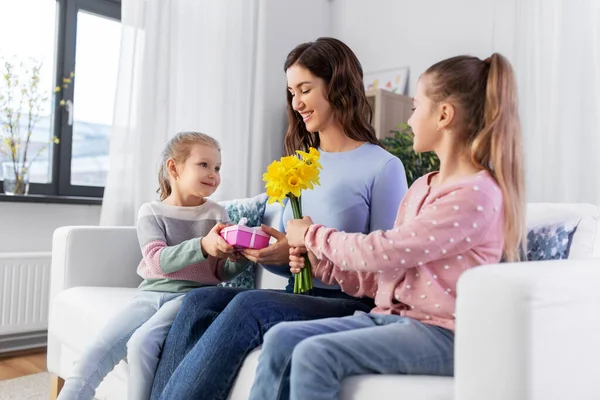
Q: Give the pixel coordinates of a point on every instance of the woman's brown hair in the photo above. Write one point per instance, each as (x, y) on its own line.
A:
(334, 62)
(486, 91)
(178, 148)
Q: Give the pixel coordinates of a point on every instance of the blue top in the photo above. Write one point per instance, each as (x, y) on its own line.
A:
(360, 191)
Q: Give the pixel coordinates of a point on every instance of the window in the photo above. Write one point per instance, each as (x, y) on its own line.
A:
(77, 44)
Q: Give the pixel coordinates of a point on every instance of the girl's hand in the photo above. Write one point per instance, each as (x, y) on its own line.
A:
(213, 244)
(296, 231)
(275, 254)
(296, 259)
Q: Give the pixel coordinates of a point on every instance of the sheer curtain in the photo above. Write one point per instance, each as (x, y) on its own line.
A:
(557, 62)
(185, 65)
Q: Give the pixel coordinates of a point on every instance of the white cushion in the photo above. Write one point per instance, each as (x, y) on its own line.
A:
(79, 313)
(365, 387)
(528, 331)
(586, 239)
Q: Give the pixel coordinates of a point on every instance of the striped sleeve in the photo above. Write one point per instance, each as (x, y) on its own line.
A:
(163, 259)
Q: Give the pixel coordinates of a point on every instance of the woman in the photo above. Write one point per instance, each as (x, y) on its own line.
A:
(361, 188)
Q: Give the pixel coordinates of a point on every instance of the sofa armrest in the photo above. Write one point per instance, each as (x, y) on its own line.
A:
(528, 331)
(94, 256)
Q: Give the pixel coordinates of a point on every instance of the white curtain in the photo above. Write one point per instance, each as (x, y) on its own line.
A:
(557, 63)
(185, 65)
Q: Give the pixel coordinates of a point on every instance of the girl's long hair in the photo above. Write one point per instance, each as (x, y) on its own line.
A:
(486, 91)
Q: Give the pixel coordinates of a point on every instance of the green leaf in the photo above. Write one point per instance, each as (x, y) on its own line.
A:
(415, 164)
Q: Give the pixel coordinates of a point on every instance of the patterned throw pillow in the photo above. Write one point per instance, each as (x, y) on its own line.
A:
(253, 209)
(551, 241)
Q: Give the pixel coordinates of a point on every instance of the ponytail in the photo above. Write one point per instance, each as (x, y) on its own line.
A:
(498, 148)
(486, 91)
(164, 185)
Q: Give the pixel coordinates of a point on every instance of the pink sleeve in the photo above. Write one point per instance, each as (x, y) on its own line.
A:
(355, 283)
(448, 226)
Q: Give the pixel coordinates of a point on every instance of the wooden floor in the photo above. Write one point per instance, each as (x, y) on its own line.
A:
(23, 363)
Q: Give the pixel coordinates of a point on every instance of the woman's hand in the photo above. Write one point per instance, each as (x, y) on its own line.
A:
(296, 231)
(213, 244)
(275, 254)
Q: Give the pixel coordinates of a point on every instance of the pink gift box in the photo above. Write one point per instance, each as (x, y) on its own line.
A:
(243, 237)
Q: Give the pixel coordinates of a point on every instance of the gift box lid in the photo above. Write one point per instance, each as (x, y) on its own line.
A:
(244, 228)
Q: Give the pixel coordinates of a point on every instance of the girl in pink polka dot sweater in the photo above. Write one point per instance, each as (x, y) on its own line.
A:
(468, 214)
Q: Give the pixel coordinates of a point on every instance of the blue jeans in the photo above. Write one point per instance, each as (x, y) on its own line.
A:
(138, 331)
(217, 327)
(309, 360)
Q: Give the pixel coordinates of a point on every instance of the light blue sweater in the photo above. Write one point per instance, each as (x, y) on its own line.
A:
(360, 191)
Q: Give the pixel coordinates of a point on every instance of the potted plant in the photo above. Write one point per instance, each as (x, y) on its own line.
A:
(21, 101)
(415, 164)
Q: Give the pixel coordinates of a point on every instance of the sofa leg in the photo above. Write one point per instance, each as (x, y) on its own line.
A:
(56, 385)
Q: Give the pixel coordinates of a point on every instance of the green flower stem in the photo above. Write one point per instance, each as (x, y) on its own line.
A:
(303, 280)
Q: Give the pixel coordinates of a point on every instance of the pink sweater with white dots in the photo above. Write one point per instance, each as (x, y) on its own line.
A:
(412, 270)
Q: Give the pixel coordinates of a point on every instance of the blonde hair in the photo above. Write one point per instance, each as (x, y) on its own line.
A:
(178, 148)
(486, 91)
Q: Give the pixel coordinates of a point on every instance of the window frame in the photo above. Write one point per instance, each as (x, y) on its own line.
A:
(64, 63)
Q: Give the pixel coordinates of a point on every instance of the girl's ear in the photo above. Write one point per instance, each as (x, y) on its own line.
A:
(446, 113)
(172, 168)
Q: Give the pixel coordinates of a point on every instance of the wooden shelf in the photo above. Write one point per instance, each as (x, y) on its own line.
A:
(389, 110)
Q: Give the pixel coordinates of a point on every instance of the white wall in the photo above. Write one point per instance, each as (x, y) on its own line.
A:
(28, 227)
(392, 33)
(282, 25)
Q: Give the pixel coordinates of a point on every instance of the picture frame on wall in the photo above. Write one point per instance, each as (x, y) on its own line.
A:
(394, 80)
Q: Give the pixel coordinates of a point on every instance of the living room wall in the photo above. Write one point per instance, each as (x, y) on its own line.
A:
(28, 227)
(391, 33)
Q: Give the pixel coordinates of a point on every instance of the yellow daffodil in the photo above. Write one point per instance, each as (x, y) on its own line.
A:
(288, 177)
(312, 157)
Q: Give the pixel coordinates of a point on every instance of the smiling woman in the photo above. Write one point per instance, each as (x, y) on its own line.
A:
(327, 110)
(320, 101)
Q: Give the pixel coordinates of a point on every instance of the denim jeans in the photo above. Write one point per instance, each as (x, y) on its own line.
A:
(309, 360)
(138, 331)
(217, 327)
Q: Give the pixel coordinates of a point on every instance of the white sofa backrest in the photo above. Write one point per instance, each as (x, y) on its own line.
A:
(586, 239)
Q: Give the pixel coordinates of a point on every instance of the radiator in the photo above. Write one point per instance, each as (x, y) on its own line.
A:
(24, 292)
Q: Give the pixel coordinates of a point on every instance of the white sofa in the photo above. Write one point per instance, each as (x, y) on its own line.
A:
(524, 331)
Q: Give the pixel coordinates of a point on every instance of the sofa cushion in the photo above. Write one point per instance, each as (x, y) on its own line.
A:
(79, 313)
(364, 387)
(253, 209)
(550, 241)
(586, 239)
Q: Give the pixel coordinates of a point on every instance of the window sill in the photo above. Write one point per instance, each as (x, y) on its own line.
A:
(39, 198)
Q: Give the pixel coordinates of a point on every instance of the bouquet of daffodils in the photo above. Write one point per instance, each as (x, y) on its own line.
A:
(288, 177)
